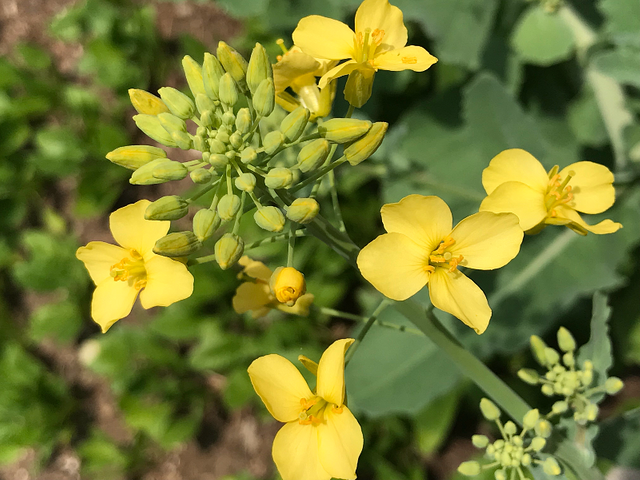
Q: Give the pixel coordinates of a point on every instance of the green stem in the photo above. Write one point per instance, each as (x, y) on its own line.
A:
(291, 243)
(372, 319)
(206, 189)
(350, 111)
(336, 203)
(275, 238)
(351, 316)
(318, 173)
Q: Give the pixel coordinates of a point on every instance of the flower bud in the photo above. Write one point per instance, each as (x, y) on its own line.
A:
(145, 174)
(205, 223)
(287, 284)
(264, 99)
(510, 428)
(233, 63)
(172, 123)
(246, 182)
(294, 124)
(243, 121)
(537, 348)
(469, 469)
(146, 103)
(216, 146)
(228, 91)
(551, 467)
(543, 429)
(272, 141)
(560, 407)
(363, 148)
(177, 244)
(248, 155)
(152, 127)
(200, 144)
(228, 250)
(228, 206)
(489, 409)
(313, 155)
(171, 207)
(500, 475)
(270, 219)
(479, 441)
(209, 119)
(568, 359)
(168, 171)
(201, 176)
(212, 72)
(193, 74)
(303, 210)
(592, 412)
(135, 156)
(552, 357)
(179, 104)
(538, 443)
(530, 419)
(235, 139)
(566, 340)
(528, 375)
(526, 460)
(204, 103)
(279, 177)
(357, 90)
(613, 385)
(218, 160)
(182, 139)
(547, 390)
(343, 130)
(228, 118)
(259, 68)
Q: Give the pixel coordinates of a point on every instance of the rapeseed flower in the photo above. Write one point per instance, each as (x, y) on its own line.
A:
(121, 272)
(321, 439)
(515, 181)
(421, 248)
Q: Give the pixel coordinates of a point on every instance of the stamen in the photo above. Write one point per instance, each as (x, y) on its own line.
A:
(338, 409)
(280, 43)
(130, 269)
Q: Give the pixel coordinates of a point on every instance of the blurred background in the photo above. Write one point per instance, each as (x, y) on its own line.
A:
(165, 395)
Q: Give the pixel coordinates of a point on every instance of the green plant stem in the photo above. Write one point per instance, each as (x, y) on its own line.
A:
(291, 243)
(350, 316)
(372, 319)
(336, 203)
(319, 173)
(206, 189)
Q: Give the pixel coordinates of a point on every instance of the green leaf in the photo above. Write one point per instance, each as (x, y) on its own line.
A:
(60, 321)
(434, 422)
(59, 151)
(542, 38)
(101, 458)
(34, 57)
(623, 20)
(585, 120)
(598, 348)
(619, 439)
(622, 65)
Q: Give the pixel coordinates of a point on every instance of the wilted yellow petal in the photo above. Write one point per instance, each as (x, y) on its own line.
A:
(331, 372)
(592, 187)
(280, 386)
(515, 165)
(251, 296)
(131, 230)
(380, 15)
(112, 301)
(295, 453)
(456, 294)
(168, 281)
(323, 37)
(516, 197)
(602, 228)
(99, 257)
(340, 443)
(407, 58)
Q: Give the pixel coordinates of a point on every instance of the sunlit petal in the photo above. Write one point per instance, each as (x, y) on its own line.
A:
(131, 230)
(301, 307)
(251, 296)
(168, 281)
(602, 228)
(516, 197)
(407, 58)
(255, 269)
(112, 300)
(293, 65)
(380, 15)
(331, 372)
(295, 453)
(323, 37)
(592, 184)
(338, 71)
(515, 165)
(340, 442)
(99, 257)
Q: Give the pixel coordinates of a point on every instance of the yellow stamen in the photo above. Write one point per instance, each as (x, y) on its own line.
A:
(440, 257)
(130, 269)
(280, 43)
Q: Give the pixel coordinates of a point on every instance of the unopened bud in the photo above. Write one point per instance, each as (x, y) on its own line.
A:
(469, 469)
(233, 63)
(303, 210)
(552, 357)
(235, 139)
(270, 219)
(568, 359)
(177, 244)
(179, 104)
(543, 429)
(547, 390)
(363, 148)
(343, 130)
(538, 348)
(204, 103)
(538, 444)
(479, 441)
(530, 419)
(151, 126)
(489, 409)
(566, 340)
(529, 376)
(243, 121)
(560, 407)
(212, 72)
(264, 99)
(146, 103)
(613, 385)
(145, 174)
(209, 119)
(218, 160)
(246, 182)
(193, 74)
(171, 207)
(228, 250)
(201, 176)
(357, 90)
(216, 146)
(551, 467)
(313, 155)
(294, 124)
(228, 206)
(205, 223)
(272, 141)
(199, 143)
(181, 139)
(279, 177)
(526, 460)
(135, 156)
(228, 91)
(592, 412)
(172, 123)
(500, 475)
(169, 171)
(510, 428)
(259, 67)
(287, 284)
(248, 155)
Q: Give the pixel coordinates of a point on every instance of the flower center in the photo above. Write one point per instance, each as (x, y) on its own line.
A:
(367, 43)
(559, 192)
(314, 410)
(443, 258)
(130, 269)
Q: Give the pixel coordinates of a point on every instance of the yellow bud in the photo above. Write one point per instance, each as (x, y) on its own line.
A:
(243, 121)
(543, 428)
(343, 130)
(172, 123)
(270, 219)
(248, 155)
(179, 104)
(538, 443)
(193, 74)
(303, 210)
(233, 63)
(201, 176)
(489, 409)
(528, 375)
(228, 91)
(168, 171)
(566, 340)
(313, 155)
(479, 441)
(228, 206)
(531, 418)
(218, 160)
(146, 103)
(151, 126)
(294, 124)
(259, 67)
(363, 148)
(357, 91)
(205, 223)
(537, 348)
(135, 156)
(613, 385)
(204, 103)
(246, 182)
(560, 407)
(272, 141)
(551, 356)
(177, 244)
(551, 467)
(469, 469)
(228, 250)
(264, 99)
(287, 284)
(212, 72)
(171, 207)
(279, 177)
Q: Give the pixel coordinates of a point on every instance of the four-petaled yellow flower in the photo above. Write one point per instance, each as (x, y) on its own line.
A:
(120, 273)
(515, 181)
(321, 439)
(421, 248)
(256, 296)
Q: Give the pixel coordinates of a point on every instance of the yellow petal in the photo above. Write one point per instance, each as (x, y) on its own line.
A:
(602, 228)
(380, 15)
(455, 293)
(99, 257)
(112, 301)
(592, 187)
(168, 281)
(340, 70)
(394, 265)
(131, 230)
(331, 372)
(323, 37)
(295, 453)
(340, 443)
(293, 65)
(516, 197)
(515, 165)
(251, 296)
(425, 220)
(309, 364)
(255, 269)
(301, 307)
(487, 240)
(280, 386)
(407, 58)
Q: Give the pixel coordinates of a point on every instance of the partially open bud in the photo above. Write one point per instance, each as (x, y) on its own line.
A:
(179, 104)
(303, 210)
(270, 219)
(489, 409)
(151, 126)
(357, 90)
(343, 130)
(363, 148)
(279, 177)
(135, 156)
(228, 206)
(566, 340)
(246, 182)
(171, 207)
(313, 155)
(243, 121)
(469, 469)
(146, 103)
(177, 244)
(228, 250)
(193, 74)
(259, 67)
(287, 284)
(212, 72)
(613, 385)
(294, 124)
(205, 223)
(264, 99)
(272, 141)
(201, 176)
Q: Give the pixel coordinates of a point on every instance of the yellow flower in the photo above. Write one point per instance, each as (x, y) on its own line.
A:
(378, 42)
(421, 248)
(256, 296)
(120, 273)
(321, 439)
(516, 182)
(288, 285)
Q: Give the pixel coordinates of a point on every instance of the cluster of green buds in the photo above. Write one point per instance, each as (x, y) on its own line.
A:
(237, 160)
(514, 451)
(566, 379)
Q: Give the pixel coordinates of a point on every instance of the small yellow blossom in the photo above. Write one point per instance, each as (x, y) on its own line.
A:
(321, 439)
(516, 182)
(121, 272)
(421, 248)
(288, 285)
(256, 296)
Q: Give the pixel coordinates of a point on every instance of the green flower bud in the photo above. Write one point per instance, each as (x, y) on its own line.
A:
(357, 91)
(172, 123)
(313, 155)
(489, 409)
(212, 72)
(235, 139)
(248, 155)
(135, 156)
(538, 444)
(177, 244)
(204, 103)
(343, 130)
(218, 160)
(270, 219)
(182, 139)
(526, 460)
(566, 340)
(363, 148)
(543, 429)
(222, 136)
(228, 206)
(179, 104)
(529, 376)
(517, 441)
(243, 121)
(530, 419)
(469, 469)
(592, 412)
(510, 428)
(228, 90)
(228, 250)
(216, 146)
(151, 126)
(272, 142)
(209, 119)
(259, 68)
(201, 176)
(303, 210)
(551, 467)
(479, 441)
(552, 357)
(505, 459)
(233, 63)
(205, 223)
(246, 182)
(171, 207)
(538, 348)
(613, 385)
(560, 407)
(199, 143)
(146, 103)
(144, 174)
(294, 124)
(500, 475)
(279, 177)
(264, 99)
(547, 390)
(169, 171)
(193, 74)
